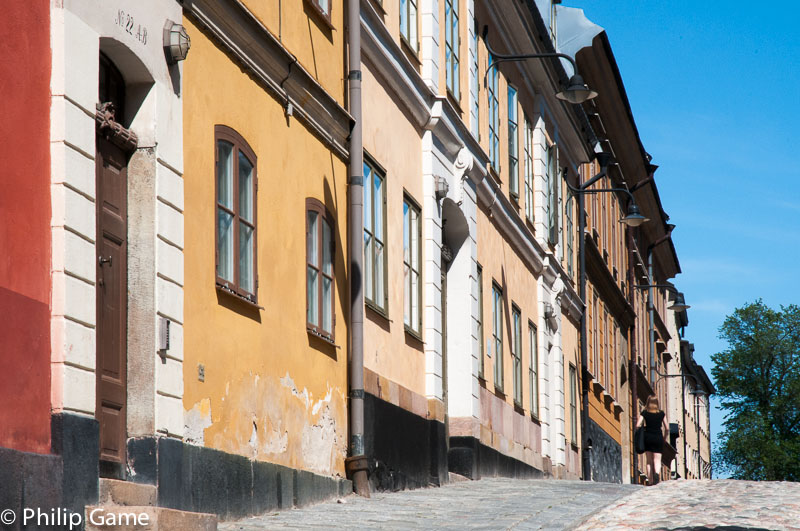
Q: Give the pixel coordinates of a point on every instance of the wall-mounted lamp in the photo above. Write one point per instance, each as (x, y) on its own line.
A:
(176, 42)
(441, 187)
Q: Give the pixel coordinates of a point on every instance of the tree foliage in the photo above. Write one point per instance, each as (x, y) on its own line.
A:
(758, 382)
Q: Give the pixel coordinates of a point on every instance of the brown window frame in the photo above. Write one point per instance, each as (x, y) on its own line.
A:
(227, 134)
(318, 8)
(413, 328)
(315, 205)
(481, 353)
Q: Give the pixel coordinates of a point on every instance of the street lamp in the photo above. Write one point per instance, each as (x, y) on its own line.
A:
(634, 218)
(679, 305)
(576, 90)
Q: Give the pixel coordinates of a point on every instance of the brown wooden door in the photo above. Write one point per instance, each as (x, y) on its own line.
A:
(112, 289)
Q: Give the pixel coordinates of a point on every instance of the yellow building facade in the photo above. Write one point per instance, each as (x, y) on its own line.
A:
(266, 270)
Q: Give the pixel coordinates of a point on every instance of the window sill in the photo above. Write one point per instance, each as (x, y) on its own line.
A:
(535, 419)
(242, 298)
(321, 16)
(519, 409)
(597, 387)
(495, 174)
(377, 310)
(498, 391)
(378, 5)
(574, 445)
(454, 101)
(410, 52)
(514, 199)
(322, 337)
(414, 334)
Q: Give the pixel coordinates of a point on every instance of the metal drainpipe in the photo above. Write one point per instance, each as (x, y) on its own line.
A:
(586, 458)
(356, 464)
(697, 423)
(683, 411)
(632, 348)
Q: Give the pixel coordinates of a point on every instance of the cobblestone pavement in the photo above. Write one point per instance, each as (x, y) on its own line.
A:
(720, 504)
(486, 504)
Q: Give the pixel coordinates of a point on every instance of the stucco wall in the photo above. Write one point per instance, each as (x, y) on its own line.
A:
(25, 227)
(271, 391)
(388, 349)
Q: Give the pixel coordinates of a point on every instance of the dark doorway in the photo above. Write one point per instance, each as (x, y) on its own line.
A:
(112, 275)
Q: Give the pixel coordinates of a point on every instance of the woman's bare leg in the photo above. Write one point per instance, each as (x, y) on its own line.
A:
(649, 456)
(657, 464)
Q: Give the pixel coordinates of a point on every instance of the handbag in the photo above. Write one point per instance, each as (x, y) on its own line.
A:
(638, 440)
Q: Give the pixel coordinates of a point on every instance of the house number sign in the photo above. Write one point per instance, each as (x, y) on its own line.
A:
(129, 25)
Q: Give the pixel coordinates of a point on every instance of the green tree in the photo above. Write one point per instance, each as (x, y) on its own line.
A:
(758, 382)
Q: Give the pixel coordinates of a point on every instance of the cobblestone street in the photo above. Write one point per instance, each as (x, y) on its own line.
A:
(485, 504)
(550, 504)
(723, 504)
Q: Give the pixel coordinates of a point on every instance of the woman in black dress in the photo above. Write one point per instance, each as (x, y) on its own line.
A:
(655, 428)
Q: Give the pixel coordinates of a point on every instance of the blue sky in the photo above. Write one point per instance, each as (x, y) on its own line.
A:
(715, 90)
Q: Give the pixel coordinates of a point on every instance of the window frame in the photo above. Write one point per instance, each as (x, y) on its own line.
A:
(516, 352)
(228, 134)
(318, 7)
(513, 141)
(533, 368)
(573, 404)
(382, 309)
(530, 207)
(315, 205)
(413, 205)
(407, 38)
(570, 228)
(493, 98)
(476, 103)
(481, 354)
(497, 334)
(452, 73)
(551, 155)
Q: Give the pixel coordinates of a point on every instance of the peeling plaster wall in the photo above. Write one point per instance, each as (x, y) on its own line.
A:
(271, 391)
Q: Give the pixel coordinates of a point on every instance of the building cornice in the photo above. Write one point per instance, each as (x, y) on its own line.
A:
(245, 38)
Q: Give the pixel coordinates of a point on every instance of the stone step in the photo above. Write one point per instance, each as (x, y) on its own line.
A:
(116, 492)
(146, 518)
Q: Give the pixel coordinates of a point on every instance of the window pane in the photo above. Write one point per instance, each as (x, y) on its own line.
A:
(378, 207)
(415, 259)
(327, 305)
(407, 294)
(245, 188)
(412, 23)
(327, 249)
(415, 321)
(406, 235)
(246, 273)
(368, 266)
(367, 198)
(380, 296)
(313, 296)
(312, 233)
(404, 18)
(325, 6)
(225, 245)
(225, 174)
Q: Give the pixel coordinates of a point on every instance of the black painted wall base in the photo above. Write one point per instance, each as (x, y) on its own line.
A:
(469, 458)
(605, 455)
(199, 479)
(32, 481)
(405, 451)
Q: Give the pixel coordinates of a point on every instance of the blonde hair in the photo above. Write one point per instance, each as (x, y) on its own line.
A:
(652, 399)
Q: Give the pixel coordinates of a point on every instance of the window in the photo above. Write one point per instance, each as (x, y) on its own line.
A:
(569, 236)
(452, 41)
(533, 370)
(236, 214)
(408, 22)
(552, 193)
(375, 292)
(476, 129)
(319, 264)
(412, 250)
(573, 404)
(323, 6)
(480, 321)
(529, 204)
(497, 334)
(513, 146)
(516, 354)
(494, 116)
